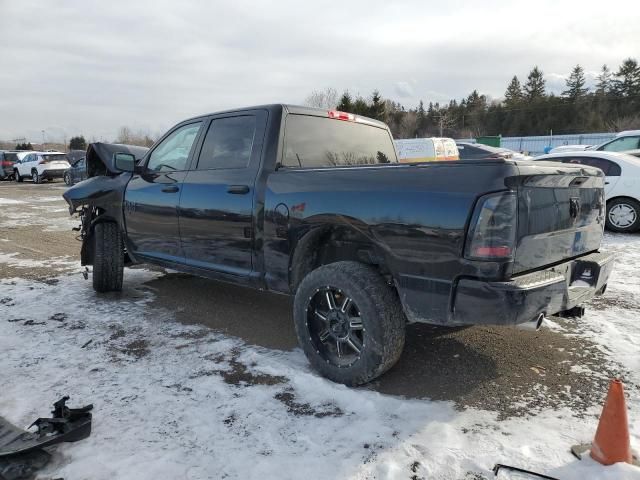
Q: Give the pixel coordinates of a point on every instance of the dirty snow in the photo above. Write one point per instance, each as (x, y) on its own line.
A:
(176, 401)
(15, 260)
(10, 201)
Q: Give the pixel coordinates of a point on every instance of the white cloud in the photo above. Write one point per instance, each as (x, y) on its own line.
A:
(404, 90)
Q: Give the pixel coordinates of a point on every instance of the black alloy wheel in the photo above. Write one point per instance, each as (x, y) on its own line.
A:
(335, 327)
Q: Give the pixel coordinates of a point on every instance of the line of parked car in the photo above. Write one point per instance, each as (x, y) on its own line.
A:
(42, 166)
(617, 158)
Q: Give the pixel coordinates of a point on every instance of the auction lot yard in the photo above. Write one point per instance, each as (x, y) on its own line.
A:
(195, 379)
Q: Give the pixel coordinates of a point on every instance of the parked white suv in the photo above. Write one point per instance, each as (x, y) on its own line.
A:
(40, 166)
(621, 187)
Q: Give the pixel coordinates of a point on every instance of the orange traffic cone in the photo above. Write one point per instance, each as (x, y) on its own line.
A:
(611, 443)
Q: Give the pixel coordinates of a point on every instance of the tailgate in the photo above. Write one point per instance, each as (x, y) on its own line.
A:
(561, 212)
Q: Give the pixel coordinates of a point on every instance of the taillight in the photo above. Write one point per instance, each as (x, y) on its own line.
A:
(5, 163)
(492, 231)
(337, 115)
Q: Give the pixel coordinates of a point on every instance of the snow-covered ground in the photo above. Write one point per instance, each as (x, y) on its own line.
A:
(184, 402)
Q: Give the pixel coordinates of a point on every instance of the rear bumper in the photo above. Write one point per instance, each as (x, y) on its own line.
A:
(525, 297)
(53, 173)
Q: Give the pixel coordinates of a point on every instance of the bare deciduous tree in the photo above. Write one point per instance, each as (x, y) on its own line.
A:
(129, 137)
(446, 121)
(327, 98)
(630, 122)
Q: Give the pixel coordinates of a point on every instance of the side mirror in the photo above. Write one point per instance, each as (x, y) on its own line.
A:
(125, 162)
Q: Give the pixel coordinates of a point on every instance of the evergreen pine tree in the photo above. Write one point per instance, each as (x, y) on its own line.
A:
(513, 95)
(575, 84)
(627, 82)
(346, 103)
(534, 88)
(421, 119)
(603, 87)
(377, 108)
(77, 143)
(360, 107)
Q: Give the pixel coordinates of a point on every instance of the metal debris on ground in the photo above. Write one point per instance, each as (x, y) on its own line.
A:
(508, 472)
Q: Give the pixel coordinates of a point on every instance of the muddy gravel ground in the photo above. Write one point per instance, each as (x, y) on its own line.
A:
(505, 370)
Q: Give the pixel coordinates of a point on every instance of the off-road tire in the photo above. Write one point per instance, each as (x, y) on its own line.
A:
(381, 313)
(635, 205)
(35, 177)
(17, 177)
(108, 258)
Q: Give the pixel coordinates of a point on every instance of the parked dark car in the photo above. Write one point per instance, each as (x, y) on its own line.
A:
(313, 204)
(75, 155)
(76, 173)
(477, 151)
(7, 159)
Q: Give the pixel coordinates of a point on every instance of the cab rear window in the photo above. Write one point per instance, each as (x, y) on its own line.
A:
(315, 142)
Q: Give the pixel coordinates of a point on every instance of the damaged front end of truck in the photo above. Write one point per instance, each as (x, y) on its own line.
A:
(100, 197)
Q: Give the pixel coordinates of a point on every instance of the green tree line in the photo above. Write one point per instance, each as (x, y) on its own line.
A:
(527, 108)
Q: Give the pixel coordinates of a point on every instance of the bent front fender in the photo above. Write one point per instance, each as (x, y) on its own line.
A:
(105, 193)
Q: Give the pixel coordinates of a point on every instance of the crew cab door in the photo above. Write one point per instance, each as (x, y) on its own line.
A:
(218, 195)
(152, 197)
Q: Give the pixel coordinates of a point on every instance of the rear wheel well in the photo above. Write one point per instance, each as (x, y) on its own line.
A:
(622, 197)
(325, 245)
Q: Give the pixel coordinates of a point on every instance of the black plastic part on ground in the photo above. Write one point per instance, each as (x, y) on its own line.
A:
(21, 452)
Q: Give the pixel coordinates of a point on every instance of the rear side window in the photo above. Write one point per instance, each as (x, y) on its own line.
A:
(312, 142)
(228, 143)
(621, 144)
(609, 168)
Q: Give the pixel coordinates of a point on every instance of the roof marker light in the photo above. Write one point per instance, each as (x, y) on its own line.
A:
(337, 115)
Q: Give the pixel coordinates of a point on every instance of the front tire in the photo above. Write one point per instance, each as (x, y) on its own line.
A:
(16, 176)
(623, 215)
(349, 322)
(108, 258)
(67, 179)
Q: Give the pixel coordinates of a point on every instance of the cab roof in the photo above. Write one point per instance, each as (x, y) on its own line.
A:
(293, 109)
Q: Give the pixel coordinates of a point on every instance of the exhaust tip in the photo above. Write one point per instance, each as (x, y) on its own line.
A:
(533, 325)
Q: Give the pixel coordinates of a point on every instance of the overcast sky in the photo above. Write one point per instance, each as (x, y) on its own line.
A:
(89, 67)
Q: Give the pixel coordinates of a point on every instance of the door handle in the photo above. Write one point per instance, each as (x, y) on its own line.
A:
(606, 183)
(171, 189)
(238, 189)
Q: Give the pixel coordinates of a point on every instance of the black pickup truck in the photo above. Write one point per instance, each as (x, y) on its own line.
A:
(314, 203)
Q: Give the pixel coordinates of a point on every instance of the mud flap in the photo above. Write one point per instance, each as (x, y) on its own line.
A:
(21, 451)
